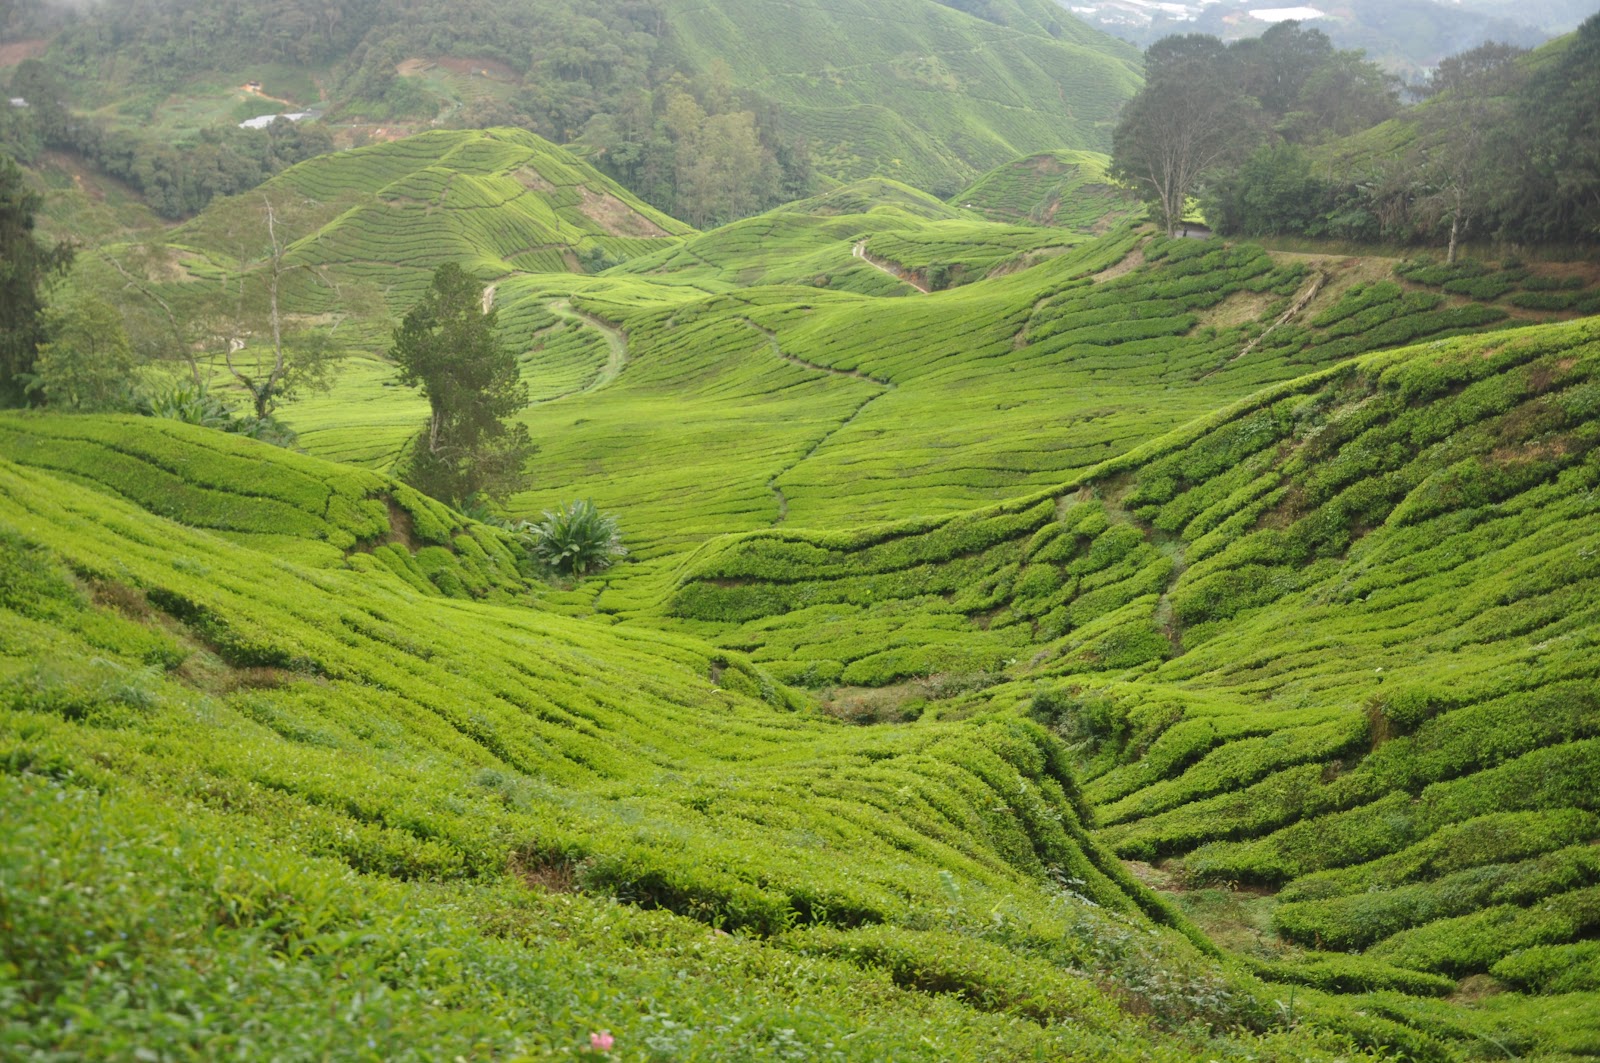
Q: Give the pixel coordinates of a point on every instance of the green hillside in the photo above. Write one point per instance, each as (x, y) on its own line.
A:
(396, 814)
(1069, 189)
(932, 96)
(773, 95)
(1038, 639)
(316, 737)
(870, 237)
(499, 201)
(1337, 638)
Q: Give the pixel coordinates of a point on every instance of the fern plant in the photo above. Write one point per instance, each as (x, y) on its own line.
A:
(575, 539)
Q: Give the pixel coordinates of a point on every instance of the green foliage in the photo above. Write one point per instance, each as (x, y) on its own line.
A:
(446, 345)
(1065, 189)
(575, 539)
(1233, 117)
(177, 176)
(1553, 968)
(87, 365)
(26, 266)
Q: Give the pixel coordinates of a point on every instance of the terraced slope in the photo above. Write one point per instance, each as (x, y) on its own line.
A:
(1035, 376)
(1338, 639)
(870, 237)
(383, 217)
(1069, 189)
(263, 797)
(932, 96)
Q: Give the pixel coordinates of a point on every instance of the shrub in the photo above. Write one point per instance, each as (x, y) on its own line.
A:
(575, 539)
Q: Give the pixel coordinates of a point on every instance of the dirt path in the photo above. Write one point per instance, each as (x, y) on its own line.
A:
(616, 342)
(247, 90)
(772, 338)
(488, 298)
(886, 385)
(899, 275)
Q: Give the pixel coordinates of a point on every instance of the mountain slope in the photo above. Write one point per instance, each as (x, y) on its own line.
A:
(1338, 638)
(932, 96)
(385, 216)
(403, 823)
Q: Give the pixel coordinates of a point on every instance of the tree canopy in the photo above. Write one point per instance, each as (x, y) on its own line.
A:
(26, 265)
(1505, 144)
(447, 346)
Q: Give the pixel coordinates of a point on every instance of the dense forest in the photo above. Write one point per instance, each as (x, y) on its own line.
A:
(1286, 135)
(600, 74)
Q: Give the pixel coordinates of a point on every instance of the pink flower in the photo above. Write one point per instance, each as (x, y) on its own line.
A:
(602, 1041)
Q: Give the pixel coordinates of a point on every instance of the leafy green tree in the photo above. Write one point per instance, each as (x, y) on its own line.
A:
(447, 345)
(1189, 120)
(1455, 165)
(26, 266)
(1557, 196)
(1344, 95)
(1273, 192)
(88, 364)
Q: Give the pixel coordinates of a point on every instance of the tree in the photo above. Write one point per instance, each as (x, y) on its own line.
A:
(1275, 66)
(88, 364)
(1557, 193)
(1189, 119)
(1272, 192)
(295, 360)
(26, 266)
(1344, 95)
(447, 345)
(1456, 169)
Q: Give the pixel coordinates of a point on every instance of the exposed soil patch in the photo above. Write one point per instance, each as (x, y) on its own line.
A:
(901, 702)
(1130, 262)
(15, 52)
(1237, 309)
(533, 181)
(250, 91)
(492, 69)
(400, 532)
(615, 216)
(551, 874)
(400, 524)
(887, 267)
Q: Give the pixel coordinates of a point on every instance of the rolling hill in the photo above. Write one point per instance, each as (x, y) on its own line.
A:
(326, 762)
(385, 216)
(1037, 642)
(1335, 636)
(935, 95)
(932, 96)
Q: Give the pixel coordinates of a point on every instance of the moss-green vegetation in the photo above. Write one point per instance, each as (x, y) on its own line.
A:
(1278, 572)
(949, 97)
(1343, 633)
(1066, 189)
(260, 779)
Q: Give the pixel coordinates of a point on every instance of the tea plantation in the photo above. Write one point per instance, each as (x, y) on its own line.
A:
(1036, 642)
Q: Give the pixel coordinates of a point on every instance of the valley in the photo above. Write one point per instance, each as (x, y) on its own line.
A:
(1038, 638)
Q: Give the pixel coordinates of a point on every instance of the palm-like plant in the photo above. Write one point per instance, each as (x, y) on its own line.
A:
(575, 539)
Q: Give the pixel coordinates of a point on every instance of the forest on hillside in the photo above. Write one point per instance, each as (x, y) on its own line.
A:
(1284, 134)
(699, 148)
